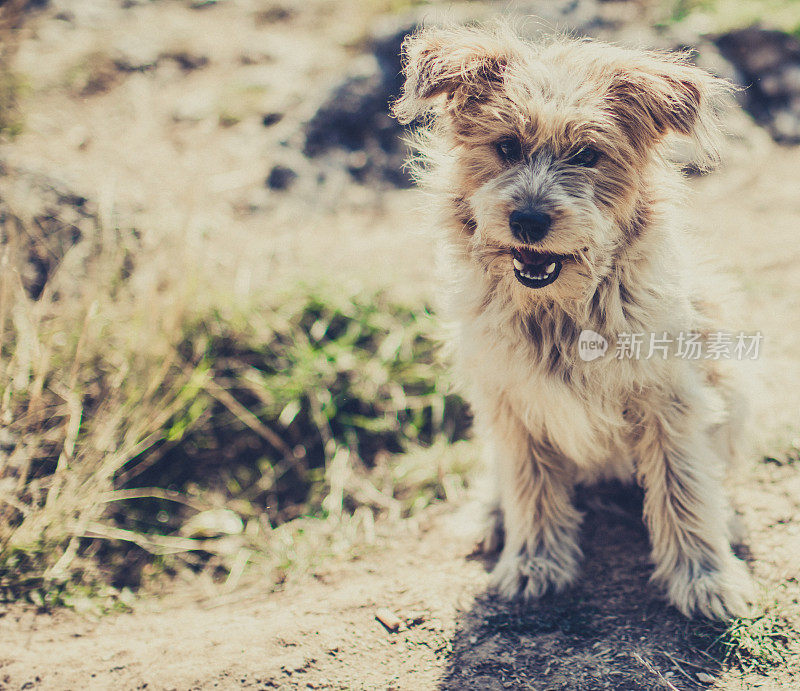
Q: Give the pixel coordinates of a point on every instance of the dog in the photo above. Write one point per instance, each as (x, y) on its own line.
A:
(547, 166)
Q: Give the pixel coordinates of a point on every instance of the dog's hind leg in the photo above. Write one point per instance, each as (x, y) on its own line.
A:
(540, 523)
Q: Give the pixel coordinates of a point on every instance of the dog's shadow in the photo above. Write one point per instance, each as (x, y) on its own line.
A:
(612, 630)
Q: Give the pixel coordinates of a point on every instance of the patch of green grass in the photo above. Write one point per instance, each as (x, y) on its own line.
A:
(749, 644)
(315, 376)
(756, 644)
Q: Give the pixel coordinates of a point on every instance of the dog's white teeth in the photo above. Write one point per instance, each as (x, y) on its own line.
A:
(541, 276)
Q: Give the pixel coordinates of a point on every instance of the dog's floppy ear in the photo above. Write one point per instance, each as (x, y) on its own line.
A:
(655, 94)
(463, 62)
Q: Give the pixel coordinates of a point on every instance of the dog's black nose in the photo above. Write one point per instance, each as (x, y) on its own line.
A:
(529, 226)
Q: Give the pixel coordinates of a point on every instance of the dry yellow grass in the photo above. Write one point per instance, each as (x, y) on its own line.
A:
(90, 377)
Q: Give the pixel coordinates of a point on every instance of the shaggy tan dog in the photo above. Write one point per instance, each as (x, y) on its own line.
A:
(547, 163)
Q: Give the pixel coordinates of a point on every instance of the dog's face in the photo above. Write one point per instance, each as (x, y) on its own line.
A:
(550, 148)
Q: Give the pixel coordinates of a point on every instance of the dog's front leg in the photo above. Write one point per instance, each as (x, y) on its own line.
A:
(687, 513)
(541, 549)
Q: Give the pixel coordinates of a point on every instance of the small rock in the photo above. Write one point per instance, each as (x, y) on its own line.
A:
(389, 619)
(280, 178)
(705, 678)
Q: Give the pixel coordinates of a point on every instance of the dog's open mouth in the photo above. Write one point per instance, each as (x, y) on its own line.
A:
(535, 269)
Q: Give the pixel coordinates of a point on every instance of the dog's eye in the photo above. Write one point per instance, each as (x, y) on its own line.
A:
(586, 157)
(509, 150)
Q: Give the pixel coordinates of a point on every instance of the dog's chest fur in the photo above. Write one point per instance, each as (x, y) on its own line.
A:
(529, 367)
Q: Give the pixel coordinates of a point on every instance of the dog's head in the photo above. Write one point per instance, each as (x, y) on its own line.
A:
(551, 149)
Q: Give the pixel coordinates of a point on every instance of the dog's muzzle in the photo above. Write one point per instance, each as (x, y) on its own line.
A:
(535, 269)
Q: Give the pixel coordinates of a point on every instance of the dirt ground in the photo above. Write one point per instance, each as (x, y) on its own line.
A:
(148, 144)
(611, 631)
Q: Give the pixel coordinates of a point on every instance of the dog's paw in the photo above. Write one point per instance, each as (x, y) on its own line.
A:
(531, 577)
(722, 594)
(491, 540)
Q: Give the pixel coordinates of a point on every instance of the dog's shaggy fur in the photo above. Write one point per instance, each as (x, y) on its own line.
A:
(577, 130)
